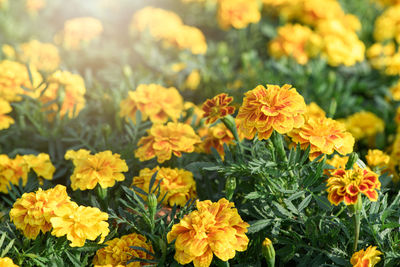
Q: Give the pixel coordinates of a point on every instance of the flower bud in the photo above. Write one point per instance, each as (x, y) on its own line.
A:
(268, 252)
(152, 203)
(230, 187)
(352, 160)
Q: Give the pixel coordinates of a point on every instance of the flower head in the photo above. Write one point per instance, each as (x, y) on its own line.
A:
(364, 124)
(177, 185)
(278, 108)
(32, 212)
(217, 107)
(153, 101)
(41, 165)
(313, 110)
(368, 258)
(44, 56)
(164, 140)
(79, 223)
(7, 262)
(5, 120)
(216, 137)
(324, 136)
(237, 13)
(103, 168)
(345, 185)
(214, 228)
(11, 171)
(119, 251)
(377, 158)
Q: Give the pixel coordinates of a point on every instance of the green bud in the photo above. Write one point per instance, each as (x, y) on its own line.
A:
(268, 252)
(352, 160)
(152, 203)
(230, 187)
(106, 129)
(127, 71)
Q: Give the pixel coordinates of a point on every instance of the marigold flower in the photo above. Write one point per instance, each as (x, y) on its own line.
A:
(345, 185)
(368, 258)
(297, 41)
(11, 171)
(278, 108)
(44, 56)
(394, 161)
(118, 251)
(324, 136)
(72, 89)
(393, 65)
(177, 185)
(193, 80)
(377, 158)
(313, 110)
(153, 101)
(337, 162)
(34, 6)
(364, 124)
(41, 165)
(103, 168)
(32, 212)
(79, 223)
(237, 13)
(216, 137)
(379, 55)
(7, 262)
(8, 51)
(387, 25)
(5, 120)
(395, 91)
(164, 140)
(214, 228)
(15, 81)
(217, 107)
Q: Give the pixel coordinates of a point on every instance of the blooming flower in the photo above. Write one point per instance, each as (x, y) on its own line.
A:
(217, 107)
(11, 171)
(395, 91)
(7, 262)
(41, 165)
(153, 101)
(364, 124)
(278, 108)
(387, 25)
(377, 158)
(103, 168)
(164, 140)
(5, 120)
(79, 223)
(216, 137)
(324, 136)
(237, 13)
(32, 212)
(177, 185)
(214, 228)
(313, 110)
(118, 251)
(44, 56)
(379, 55)
(368, 258)
(345, 185)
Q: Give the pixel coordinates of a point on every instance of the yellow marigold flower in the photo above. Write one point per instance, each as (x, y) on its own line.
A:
(379, 55)
(217, 107)
(377, 158)
(313, 110)
(44, 56)
(345, 185)
(387, 25)
(118, 251)
(5, 120)
(7, 262)
(11, 171)
(340, 44)
(364, 124)
(8, 51)
(368, 258)
(79, 223)
(79, 32)
(103, 168)
(297, 41)
(71, 88)
(214, 228)
(278, 108)
(164, 140)
(15, 81)
(324, 136)
(32, 212)
(34, 6)
(393, 65)
(177, 184)
(394, 161)
(193, 80)
(237, 13)
(395, 91)
(216, 137)
(189, 38)
(41, 165)
(153, 101)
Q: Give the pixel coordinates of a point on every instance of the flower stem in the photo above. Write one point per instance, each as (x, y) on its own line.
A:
(278, 143)
(356, 212)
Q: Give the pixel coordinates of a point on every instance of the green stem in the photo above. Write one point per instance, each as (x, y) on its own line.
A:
(229, 123)
(278, 143)
(356, 211)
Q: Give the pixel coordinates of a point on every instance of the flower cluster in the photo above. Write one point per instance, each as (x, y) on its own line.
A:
(237, 13)
(44, 56)
(103, 168)
(214, 228)
(154, 102)
(119, 251)
(217, 107)
(164, 140)
(369, 257)
(167, 26)
(345, 185)
(275, 108)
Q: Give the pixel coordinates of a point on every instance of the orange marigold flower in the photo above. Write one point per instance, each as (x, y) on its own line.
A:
(32, 212)
(377, 158)
(11, 171)
(237, 13)
(278, 108)
(118, 251)
(177, 185)
(153, 101)
(368, 258)
(5, 120)
(164, 140)
(7, 262)
(345, 185)
(216, 137)
(324, 135)
(214, 228)
(217, 107)
(103, 168)
(79, 223)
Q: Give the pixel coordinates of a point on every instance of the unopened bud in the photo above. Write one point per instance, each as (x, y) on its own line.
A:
(352, 160)
(230, 187)
(152, 203)
(268, 252)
